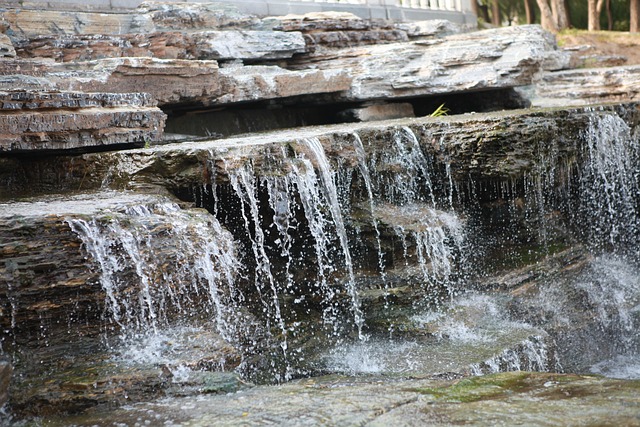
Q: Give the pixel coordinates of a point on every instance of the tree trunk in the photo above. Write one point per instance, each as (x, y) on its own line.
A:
(634, 22)
(609, 16)
(546, 17)
(594, 15)
(474, 7)
(495, 13)
(559, 14)
(567, 8)
(530, 11)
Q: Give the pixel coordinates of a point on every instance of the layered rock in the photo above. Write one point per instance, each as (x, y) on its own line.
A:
(484, 146)
(50, 121)
(6, 370)
(588, 86)
(175, 82)
(492, 59)
(208, 45)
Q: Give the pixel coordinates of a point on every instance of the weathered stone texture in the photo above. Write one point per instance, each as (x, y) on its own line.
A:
(505, 57)
(175, 82)
(37, 121)
(588, 86)
(224, 45)
(6, 370)
(6, 47)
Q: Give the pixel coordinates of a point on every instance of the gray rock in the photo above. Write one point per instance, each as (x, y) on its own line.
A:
(588, 86)
(491, 59)
(504, 399)
(6, 47)
(248, 45)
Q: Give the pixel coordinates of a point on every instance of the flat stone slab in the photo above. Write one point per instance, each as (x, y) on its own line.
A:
(512, 398)
(482, 60)
(588, 86)
(173, 82)
(52, 121)
(499, 145)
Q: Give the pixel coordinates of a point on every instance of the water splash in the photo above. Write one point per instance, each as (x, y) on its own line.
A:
(610, 184)
(153, 261)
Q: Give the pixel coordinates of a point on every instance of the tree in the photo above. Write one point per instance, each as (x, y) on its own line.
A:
(546, 16)
(595, 9)
(495, 13)
(634, 22)
(530, 11)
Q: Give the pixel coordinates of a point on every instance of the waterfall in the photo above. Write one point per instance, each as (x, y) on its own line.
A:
(610, 184)
(159, 261)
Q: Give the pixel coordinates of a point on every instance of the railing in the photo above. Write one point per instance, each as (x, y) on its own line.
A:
(412, 4)
(458, 11)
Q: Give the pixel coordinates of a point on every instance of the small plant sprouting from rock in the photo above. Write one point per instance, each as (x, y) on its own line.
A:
(440, 111)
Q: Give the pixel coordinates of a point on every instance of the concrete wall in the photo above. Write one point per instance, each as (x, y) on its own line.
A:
(375, 9)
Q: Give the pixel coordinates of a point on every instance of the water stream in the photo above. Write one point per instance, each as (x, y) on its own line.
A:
(295, 263)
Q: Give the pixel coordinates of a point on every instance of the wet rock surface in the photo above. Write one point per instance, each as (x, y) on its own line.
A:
(509, 398)
(491, 145)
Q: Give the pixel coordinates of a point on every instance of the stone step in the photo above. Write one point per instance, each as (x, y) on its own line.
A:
(45, 122)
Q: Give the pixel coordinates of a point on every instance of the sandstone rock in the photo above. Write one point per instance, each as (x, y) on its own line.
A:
(176, 82)
(195, 16)
(339, 29)
(254, 83)
(27, 23)
(150, 17)
(588, 86)
(45, 121)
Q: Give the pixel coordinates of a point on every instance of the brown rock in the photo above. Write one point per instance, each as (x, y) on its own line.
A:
(45, 121)
(6, 47)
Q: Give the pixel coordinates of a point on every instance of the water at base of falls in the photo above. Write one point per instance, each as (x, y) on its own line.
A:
(303, 266)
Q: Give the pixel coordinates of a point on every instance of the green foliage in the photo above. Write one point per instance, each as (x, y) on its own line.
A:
(440, 111)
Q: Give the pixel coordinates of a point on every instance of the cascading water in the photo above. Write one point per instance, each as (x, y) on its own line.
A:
(159, 261)
(360, 260)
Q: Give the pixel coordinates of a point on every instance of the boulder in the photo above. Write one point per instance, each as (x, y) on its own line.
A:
(248, 45)
(50, 121)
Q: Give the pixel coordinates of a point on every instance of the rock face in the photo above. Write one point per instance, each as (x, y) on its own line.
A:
(588, 86)
(48, 121)
(484, 146)
(6, 370)
(337, 55)
(457, 63)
